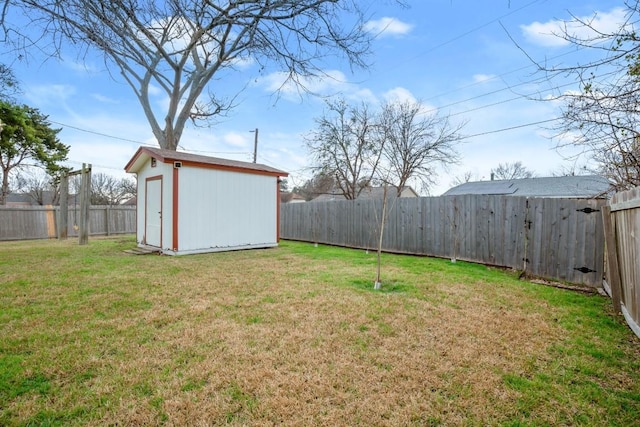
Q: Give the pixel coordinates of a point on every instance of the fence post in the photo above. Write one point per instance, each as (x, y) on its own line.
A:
(63, 212)
(527, 227)
(85, 202)
(613, 271)
(107, 212)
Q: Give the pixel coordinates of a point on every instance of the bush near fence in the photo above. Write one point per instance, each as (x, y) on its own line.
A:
(41, 222)
(552, 238)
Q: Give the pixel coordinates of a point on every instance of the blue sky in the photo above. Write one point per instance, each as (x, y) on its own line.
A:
(454, 56)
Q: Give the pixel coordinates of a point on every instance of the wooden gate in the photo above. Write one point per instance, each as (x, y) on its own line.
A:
(565, 239)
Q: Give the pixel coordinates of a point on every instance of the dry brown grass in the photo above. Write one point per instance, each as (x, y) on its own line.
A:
(285, 336)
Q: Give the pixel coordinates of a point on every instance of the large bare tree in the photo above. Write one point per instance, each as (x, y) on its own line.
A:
(602, 118)
(346, 144)
(416, 143)
(182, 46)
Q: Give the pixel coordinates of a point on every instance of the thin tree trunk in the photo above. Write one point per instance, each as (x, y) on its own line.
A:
(378, 283)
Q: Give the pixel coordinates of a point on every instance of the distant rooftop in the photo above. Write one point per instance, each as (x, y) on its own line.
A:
(584, 186)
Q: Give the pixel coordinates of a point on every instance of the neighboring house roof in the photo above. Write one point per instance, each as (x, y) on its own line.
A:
(131, 202)
(143, 154)
(19, 199)
(584, 186)
(369, 193)
(290, 197)
(28, 199)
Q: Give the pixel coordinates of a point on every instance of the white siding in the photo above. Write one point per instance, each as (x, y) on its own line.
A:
(221, 209)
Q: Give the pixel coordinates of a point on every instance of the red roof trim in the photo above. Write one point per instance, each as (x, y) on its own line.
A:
(187, 159)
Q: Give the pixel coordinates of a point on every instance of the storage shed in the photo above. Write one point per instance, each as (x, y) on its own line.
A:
(188, 203)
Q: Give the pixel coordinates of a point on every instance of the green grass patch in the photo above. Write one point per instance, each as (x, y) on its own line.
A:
(297, 335)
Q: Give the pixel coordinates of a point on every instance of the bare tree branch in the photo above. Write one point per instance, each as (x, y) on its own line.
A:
(416, 143)
(178, 46)
(601, 117)
(346, 145)
(514, 170)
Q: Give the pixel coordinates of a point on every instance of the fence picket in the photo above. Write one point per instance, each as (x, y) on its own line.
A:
(35, 222)
(491, 230)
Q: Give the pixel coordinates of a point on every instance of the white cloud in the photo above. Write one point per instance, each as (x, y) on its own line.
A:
(41, 95)
(279, 81)
(482, 78)
(82, 67)
(549, 34)
(332, 83)
(155, 90)
(387, 27)
(104, 99)
(399, 94)
(235, 139)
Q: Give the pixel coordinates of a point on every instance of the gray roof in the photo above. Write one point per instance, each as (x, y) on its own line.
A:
(30, 199)
(585, 186)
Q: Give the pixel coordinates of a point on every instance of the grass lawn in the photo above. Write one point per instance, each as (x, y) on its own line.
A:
(296, 335)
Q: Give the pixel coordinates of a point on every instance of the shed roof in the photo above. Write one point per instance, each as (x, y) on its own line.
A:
(169, 156)
(582, 186)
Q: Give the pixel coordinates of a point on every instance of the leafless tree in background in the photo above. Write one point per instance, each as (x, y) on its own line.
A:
(42, 187)
(346, 145)
(511, 170)
(320, 183)
(415, 144)
(106, 190)
(467, 176)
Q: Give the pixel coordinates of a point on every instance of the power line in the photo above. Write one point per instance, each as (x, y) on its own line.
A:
(101, 134)
(142, 143)
(513, 127)
(460, 36)
(516, 98)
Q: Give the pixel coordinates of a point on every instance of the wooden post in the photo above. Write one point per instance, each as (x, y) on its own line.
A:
(63, 220)
(527, 227)
(85, 202)
(107, 212)
(613, 271)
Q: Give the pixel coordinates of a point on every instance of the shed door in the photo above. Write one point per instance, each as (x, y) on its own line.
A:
(153, 212)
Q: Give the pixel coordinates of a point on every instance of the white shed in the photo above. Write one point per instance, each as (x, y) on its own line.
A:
(188, 203)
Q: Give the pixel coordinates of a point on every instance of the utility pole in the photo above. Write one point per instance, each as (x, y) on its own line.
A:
(255, 145)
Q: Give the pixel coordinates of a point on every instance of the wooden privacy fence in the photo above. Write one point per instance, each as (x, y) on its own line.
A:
(558, 239)
(41, 222)
(622, 231)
